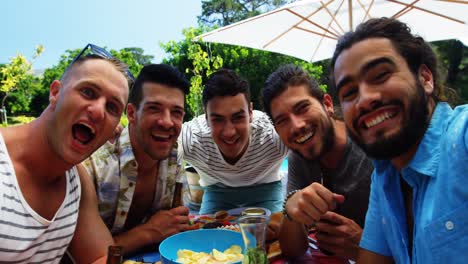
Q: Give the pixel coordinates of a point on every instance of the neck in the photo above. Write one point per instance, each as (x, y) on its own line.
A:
(31, 153)
(333, 156)
(145, 162)
(234, 160)
(404, 159)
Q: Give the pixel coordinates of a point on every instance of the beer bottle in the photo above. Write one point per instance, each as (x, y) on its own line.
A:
(177, 200)
(114, 255)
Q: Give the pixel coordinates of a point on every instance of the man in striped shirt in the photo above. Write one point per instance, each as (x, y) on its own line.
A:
(40, 188)
(234, 148)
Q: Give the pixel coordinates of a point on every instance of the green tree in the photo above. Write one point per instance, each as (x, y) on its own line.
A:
(193, 59)
(225, 12)
(18, 71)
(19, 101)
(137, 54)
(254, 65)
(454, 66)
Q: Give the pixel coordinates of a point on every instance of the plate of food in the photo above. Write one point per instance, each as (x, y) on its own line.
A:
(204, 246)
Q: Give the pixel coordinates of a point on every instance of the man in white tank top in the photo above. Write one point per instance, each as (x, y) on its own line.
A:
(40, 190)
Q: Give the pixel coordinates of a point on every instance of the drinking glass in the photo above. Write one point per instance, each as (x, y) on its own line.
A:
(253, 228)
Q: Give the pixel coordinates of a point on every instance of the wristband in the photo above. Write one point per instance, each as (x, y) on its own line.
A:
(285, 213)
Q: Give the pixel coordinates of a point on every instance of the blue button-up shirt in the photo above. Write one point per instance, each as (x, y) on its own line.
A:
(438, 176)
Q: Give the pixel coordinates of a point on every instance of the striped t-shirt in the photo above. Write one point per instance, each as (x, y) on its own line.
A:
(259, 164)
(25, 236)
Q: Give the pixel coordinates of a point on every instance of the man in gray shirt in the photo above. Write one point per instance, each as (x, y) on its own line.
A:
(329, 176)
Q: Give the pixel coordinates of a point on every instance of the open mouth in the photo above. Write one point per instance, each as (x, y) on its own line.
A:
(83, 133)
(371, 122)
(304, 138)
(230, 142)
(160, 137)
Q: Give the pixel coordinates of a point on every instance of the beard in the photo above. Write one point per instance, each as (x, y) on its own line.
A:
(328, 141)
(413, 127)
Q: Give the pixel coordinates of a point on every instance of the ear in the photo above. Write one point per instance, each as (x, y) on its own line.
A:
(54, 92)
(328, 104)
(131, 113)
(426, 79)
(250, 112)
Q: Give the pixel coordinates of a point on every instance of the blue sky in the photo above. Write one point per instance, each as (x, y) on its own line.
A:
(65, 24)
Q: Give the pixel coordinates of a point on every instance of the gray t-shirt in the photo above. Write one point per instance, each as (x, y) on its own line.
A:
(351, 178)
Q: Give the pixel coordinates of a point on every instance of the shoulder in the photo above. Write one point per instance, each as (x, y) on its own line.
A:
(101, 155)
(295, 158)
(262, 125)
(457, 127)
(459, 119)
(356, 155)
(263, 133)
(198, 122)
(197, 127)
(261, 119)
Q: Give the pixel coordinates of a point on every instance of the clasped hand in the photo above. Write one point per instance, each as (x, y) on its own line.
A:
(336, 233)
(165, 223)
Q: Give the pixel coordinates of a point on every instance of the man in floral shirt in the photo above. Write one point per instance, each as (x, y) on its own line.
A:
(134, 177)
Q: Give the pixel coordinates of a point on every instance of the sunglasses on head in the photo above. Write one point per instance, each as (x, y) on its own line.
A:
(92, 49)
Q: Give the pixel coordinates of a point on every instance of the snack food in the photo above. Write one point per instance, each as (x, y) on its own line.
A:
(230, 255)
(221, 215)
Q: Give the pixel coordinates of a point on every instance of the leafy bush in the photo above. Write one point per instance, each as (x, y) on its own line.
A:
(18, 120)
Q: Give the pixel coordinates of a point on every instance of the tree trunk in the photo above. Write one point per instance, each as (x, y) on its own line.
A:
(3, 113)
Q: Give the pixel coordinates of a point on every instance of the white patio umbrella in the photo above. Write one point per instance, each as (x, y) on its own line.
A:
(308, 29)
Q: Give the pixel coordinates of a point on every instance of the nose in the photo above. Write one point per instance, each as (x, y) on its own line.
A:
(97, 109)
(229, 130)
(297, 122)
(368, 97)
(165, 119)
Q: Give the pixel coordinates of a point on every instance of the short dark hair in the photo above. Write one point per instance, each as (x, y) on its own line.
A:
(284, 77)
(225, 82)
(161, 74)
(412, 48)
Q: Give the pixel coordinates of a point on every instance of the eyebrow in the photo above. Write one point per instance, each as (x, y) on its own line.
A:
(240, 112)
(97, 87)
(364, 69)
(299, 104)
(294, 108)
(160, 104)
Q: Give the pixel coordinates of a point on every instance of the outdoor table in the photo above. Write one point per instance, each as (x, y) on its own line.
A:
(312, 256)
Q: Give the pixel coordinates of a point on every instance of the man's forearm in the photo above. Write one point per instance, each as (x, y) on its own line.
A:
(293, 238)
(134, 239)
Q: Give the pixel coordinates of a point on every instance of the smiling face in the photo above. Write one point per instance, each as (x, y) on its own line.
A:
(385, 105)
(229, 118)
(156, 123)
(303, 123)
(86, 109)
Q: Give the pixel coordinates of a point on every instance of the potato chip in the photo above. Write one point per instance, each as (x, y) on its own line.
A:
(231, 255)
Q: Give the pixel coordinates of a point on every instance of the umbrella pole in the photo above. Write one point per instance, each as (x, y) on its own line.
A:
(350, 14)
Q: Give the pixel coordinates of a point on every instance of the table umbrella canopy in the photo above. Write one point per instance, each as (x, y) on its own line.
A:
(309, 29)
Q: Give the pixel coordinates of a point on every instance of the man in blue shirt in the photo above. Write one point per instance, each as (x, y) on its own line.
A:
(387, 83)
